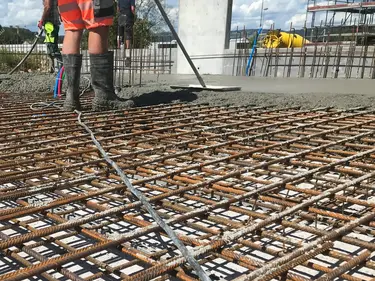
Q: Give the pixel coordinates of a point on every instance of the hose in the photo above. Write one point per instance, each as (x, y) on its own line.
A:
(56, 84)
(60, 82)
(28, 54)
(57, 104)
(248, 67)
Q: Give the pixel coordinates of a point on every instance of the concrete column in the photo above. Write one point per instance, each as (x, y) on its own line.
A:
(204, 28)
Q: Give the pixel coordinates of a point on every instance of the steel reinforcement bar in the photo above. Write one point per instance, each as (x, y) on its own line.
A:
(254, 193)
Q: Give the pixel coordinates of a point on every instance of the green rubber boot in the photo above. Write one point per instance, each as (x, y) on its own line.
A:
(101, 68)
(72, 69)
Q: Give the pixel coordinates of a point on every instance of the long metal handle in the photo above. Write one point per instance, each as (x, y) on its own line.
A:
(165, 16)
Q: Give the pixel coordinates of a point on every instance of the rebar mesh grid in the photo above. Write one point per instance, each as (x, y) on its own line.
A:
(255, 193)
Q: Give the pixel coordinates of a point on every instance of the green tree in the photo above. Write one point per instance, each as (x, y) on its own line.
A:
(251, 41)
(142, 33)
(15, 35)
(85, 40)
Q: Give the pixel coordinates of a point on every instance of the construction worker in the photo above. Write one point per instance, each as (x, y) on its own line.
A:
(126, 8)
(126, 20)
(50, 21)
(96, 16)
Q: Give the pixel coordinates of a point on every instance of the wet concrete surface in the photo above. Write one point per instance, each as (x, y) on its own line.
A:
(281, 92)
(307, 93)
(276, 85)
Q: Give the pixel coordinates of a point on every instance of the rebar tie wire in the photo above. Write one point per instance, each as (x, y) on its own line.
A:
(172, 235)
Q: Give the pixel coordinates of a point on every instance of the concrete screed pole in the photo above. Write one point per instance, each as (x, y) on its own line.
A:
(179, 42)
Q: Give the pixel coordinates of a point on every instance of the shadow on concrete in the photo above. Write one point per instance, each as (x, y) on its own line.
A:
(162, 97)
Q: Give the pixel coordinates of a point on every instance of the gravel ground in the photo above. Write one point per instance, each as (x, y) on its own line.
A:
(40, 87)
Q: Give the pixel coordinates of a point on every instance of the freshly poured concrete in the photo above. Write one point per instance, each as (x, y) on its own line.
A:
(307, 93)
(277, 85)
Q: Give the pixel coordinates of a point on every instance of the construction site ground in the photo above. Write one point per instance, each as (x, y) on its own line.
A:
(274, 182)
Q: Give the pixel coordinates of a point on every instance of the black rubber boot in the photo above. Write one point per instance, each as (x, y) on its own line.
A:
(72, 69)
(101, 68)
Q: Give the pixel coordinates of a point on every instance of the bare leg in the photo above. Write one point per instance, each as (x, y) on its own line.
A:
(129, 35)
(72, 42)
(127, 44)
(98, 40)
(128, 53)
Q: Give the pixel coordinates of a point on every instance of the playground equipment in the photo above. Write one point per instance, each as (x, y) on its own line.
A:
(280, 39)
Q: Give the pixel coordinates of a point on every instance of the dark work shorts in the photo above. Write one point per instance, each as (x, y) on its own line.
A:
(126, 23)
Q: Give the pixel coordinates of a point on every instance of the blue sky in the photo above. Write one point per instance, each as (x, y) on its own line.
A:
(26, 13)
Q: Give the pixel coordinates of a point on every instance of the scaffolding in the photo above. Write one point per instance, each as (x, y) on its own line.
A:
(341, 19)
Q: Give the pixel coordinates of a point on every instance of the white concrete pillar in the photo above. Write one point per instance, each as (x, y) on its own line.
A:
(204, 28)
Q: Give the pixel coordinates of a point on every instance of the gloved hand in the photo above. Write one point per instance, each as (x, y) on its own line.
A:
(40, 24)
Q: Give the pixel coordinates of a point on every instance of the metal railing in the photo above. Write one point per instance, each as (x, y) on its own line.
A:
(338, 54)
(156, 57)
